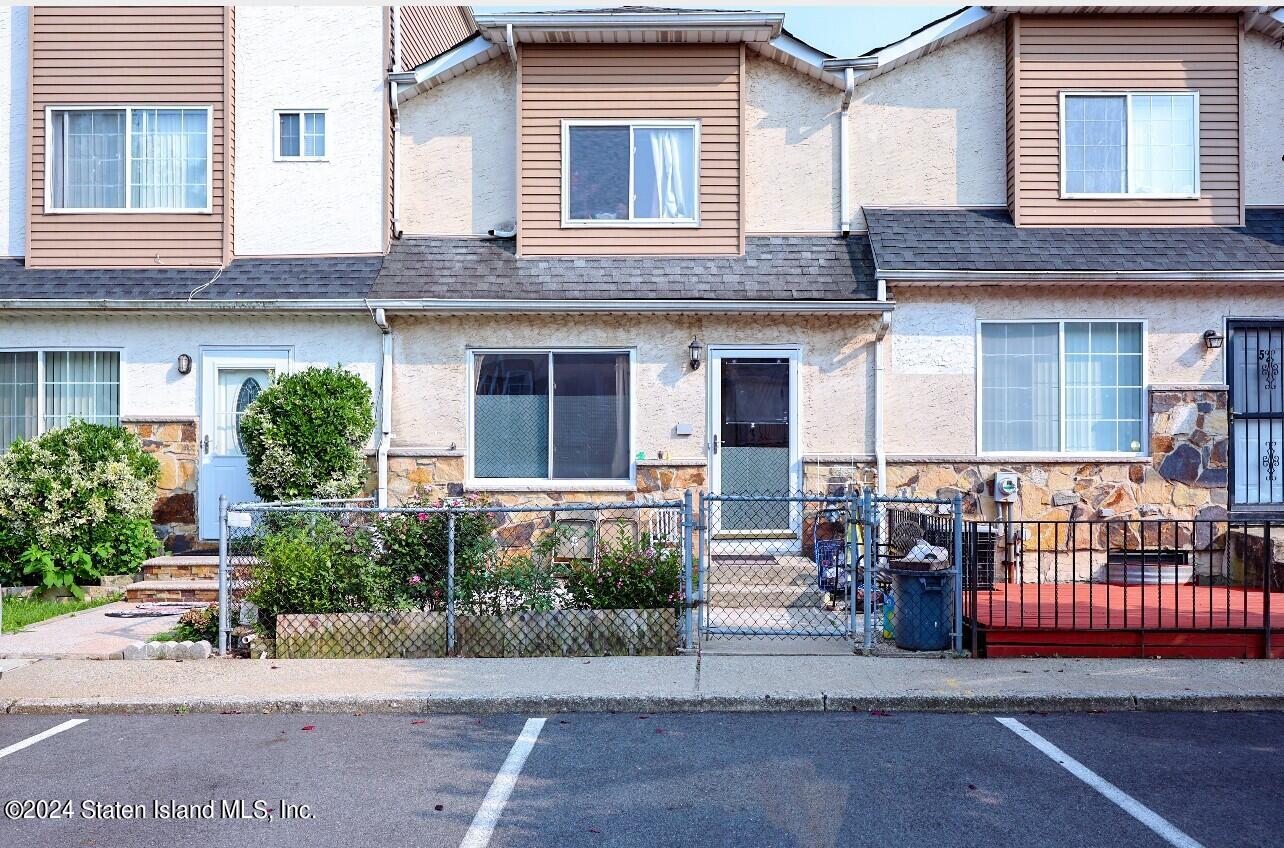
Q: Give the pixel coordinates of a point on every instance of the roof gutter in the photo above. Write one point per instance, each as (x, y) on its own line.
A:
(929, 277)
(313, 305)
(459, 306)
(572, 21)
(845, 153)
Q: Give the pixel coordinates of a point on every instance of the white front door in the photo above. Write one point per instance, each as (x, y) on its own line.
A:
(230, 380)
(754, 446)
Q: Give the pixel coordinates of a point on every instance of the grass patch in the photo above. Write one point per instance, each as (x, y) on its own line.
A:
(167, 636)
(20, 612)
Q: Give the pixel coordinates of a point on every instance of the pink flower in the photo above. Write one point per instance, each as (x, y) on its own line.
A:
(423, 516)
(414, 580)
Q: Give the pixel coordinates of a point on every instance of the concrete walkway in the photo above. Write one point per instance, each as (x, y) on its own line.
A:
(88, 634)
(648, 684)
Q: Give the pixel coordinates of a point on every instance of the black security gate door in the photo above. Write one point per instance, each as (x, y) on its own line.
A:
(1255, 369)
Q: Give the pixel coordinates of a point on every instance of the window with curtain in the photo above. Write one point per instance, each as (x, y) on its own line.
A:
(70, 384)
(1069, 386)
(551, 415)
(300, 135)
(1131, 143)
(132, 158)
(631, 173)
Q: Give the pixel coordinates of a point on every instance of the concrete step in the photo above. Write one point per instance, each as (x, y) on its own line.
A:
(740, 596)
(153, 591)
(181, 567)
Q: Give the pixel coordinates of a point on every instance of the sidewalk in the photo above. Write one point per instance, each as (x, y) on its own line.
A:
(638, 684)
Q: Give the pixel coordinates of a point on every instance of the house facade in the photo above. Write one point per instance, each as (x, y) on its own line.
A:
(620, 254)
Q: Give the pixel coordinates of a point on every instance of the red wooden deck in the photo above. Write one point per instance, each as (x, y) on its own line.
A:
(1103, 620)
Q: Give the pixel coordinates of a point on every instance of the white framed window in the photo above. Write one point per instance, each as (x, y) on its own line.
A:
(128, 158)
(630, 173)
(42, 390)
(1130, 144)
(1062, 387)
(551, 415)
(300, 135)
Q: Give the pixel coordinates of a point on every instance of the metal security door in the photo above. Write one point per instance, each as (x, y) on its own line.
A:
(1254, 359)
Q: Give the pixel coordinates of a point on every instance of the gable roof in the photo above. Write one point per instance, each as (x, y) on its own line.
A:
(944, 244)
(762, 32)
(784, 271)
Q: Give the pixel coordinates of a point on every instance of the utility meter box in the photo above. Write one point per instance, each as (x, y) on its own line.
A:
(1006, 486)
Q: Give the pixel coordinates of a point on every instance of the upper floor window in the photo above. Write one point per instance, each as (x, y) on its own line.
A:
(300, 135)
(630, 173)
(128, 159)
(42, 390)
(1062, 386)
(1130, 144)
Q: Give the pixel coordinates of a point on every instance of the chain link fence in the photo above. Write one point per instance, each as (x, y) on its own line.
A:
(460, 577)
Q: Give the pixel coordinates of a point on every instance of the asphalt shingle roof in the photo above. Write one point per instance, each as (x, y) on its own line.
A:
(773, 268)
(313, 278)
(986, 240)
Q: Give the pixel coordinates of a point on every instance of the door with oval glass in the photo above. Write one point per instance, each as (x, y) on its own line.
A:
(230, 381)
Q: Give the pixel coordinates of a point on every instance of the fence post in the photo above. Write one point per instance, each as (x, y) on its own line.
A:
(867, 514)
(222, 575)
(958, 573)
(688, 613)
(853, 517)
(1268, 576)
(702, 584)
(450, 583)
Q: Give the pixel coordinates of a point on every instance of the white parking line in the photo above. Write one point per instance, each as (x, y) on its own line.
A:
(31, 740)
(479, 832)
(1130, 805)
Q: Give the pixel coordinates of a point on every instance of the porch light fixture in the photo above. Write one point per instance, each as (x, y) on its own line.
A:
(697, 353)
(184, 364)
(1213, 339)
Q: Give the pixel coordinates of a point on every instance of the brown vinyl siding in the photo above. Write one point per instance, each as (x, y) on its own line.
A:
(429, 31)
(677, 81)
(130, 56)
(229, 107)
(1055, 53)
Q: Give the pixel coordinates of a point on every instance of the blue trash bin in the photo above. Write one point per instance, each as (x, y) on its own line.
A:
(922, 618)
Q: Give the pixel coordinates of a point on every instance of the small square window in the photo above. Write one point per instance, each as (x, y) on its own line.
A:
(300, 135)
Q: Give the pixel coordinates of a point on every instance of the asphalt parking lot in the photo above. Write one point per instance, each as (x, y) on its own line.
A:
(643, 780)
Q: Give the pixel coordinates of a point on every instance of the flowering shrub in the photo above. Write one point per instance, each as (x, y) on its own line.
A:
(414, 550)
(520, 583)
(197, 624)
(315, 566)
(76, 503)
(304, 434)
(626, 574)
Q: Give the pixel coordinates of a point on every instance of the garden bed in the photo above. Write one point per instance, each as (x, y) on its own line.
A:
(415, 633)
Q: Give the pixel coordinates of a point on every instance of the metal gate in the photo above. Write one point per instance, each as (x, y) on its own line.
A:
(794, 566)
(1253, 368)
(777, 566)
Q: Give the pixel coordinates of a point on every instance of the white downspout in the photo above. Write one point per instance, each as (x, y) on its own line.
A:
(844, 153)
(396, 38)
(393, 89)
(385, 405)
(880, 448)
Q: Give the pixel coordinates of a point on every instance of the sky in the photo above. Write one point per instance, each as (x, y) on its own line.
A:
(842, 30)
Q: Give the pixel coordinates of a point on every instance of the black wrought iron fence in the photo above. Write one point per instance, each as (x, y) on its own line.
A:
(461, 577)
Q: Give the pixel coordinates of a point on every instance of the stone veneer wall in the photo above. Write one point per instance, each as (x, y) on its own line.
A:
(173, 442)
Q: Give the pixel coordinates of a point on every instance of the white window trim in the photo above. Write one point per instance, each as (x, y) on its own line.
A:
(633, 124)
(1129, 193)
(50, 209)
(472, 481)
(277, 156)
(40, 352)
(1060, 450)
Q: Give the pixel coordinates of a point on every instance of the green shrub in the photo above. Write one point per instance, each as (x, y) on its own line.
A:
(76, 503)
(317, 566)
(626, 574)
(198, 623)
(303, 436)
(414, 550)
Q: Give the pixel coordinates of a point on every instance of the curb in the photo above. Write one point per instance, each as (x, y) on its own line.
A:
(695, 702)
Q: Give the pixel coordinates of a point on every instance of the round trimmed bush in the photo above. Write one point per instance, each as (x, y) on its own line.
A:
(304, 434)
(76, 503)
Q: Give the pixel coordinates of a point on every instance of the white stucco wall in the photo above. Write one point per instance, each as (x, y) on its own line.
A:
(932, 379)
(791, 151)
(310, 57)
(13, 138)
(150, 345)
(1263, 79)
(931, 133)
(458, 155)
(430, 391)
